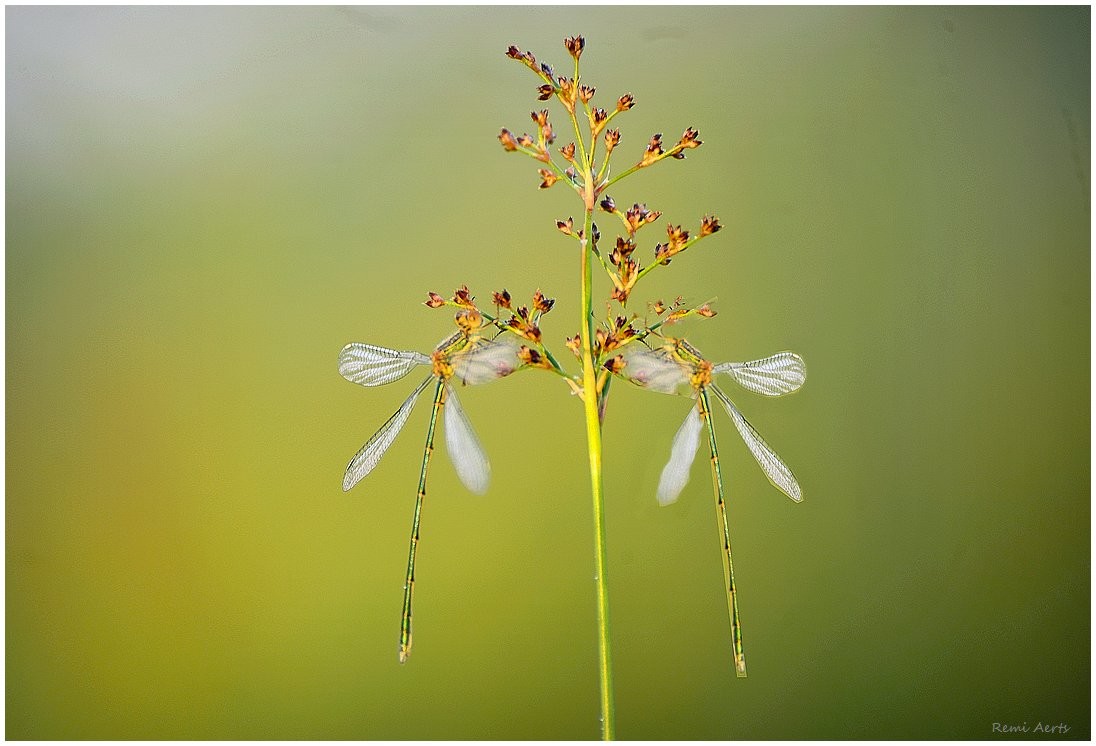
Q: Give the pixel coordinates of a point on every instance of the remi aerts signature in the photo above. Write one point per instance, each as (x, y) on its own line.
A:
(1059, 729)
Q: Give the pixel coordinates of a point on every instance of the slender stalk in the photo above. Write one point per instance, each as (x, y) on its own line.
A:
(593, 442)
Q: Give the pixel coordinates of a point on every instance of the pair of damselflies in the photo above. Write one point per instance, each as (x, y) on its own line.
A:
(674, 369)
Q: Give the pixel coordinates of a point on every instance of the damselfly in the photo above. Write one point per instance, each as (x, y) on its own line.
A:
(679, 367)
(463, 357)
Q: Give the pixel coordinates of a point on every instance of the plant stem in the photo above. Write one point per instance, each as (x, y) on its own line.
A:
(593, 441)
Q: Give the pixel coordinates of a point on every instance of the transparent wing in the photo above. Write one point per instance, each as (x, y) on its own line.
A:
(775, 469)
(487, 361)
(675, 475)
(655, 370)
(775, 375)
(370, 454)
(370, 365)
(465, 450)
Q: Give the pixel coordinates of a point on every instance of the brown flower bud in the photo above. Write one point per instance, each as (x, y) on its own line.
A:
(709, 224)
(586, 92)
(548, 178)
(659, 307)
(574, 344)
(544, 92)
(625, 102)
(568, 152)
(435, 301)
(566, 227)
(705, 311)
(502, 300)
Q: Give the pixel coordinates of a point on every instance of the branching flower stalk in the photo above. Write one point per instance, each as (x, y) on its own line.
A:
(489, 345)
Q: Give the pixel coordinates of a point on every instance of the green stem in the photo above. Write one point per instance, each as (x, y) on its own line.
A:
(593, 440)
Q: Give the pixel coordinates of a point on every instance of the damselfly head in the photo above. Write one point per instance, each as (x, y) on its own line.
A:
(469, 320)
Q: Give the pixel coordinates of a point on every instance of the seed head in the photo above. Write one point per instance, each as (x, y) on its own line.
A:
(658, 307)
(526, 58)
(541, 304)
(509, 143)
(568, 93)
(575, 45)
(607, 204)
(568, 152)
(705, 311)
(543, 125)
(598, 118)
(625, 102)
(549, 178)
(638, 216)
(612, 139)
(709, 224)
(544, 92)
(520, 323)
(654, 150)
(529, 356)
(566, 227)
(435, 301)
(462, 297)
(678, 237)
(623, 250)
(601, 337)
(574, 344)
(502, 300)
(586, 92)
(615, 365)
(688, 140)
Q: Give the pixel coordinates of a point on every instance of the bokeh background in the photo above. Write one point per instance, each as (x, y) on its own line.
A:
(205, 204)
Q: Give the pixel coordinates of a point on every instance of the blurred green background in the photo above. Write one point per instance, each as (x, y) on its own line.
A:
(205, 204)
